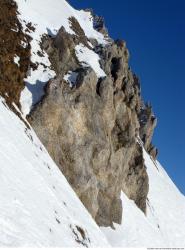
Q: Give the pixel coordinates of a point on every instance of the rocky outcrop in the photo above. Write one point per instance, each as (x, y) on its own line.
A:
(91, 129)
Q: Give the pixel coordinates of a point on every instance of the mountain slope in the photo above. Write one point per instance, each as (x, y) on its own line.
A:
(37, 205)
(164, 223)
(84, 103)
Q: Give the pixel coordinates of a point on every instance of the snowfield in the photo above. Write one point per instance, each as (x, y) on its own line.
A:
(38, 208)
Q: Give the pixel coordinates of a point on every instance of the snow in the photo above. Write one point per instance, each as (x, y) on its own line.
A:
(166, 204)
(16, 60)
(52, 14)
(164, 224)
(38, 208)
(71, 77)
(47, 17)
(15, 30)
(135, 231)
(88, 57)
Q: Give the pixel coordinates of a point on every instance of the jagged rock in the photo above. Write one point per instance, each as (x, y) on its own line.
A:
(148, 122)
(135, 179)
(61, 51)
(91, 129)
(153, 151)
(99, 24)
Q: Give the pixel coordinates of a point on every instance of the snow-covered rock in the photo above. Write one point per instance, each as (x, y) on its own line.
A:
(47, 17)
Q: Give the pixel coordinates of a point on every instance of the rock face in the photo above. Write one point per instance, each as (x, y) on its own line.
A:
(92, 129)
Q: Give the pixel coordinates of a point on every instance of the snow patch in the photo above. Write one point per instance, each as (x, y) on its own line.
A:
(17, 60)
(70, 78)
(88, 57)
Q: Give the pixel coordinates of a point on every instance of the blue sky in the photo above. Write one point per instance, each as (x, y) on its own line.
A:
(155, 35)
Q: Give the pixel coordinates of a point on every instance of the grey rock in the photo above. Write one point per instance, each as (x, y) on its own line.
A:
(91, 130)
(148, 123)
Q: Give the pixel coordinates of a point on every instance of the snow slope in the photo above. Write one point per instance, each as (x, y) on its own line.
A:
(47, 17)
(164, 224)
(37, 206)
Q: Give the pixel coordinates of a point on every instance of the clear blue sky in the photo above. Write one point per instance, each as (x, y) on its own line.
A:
(155, 35)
